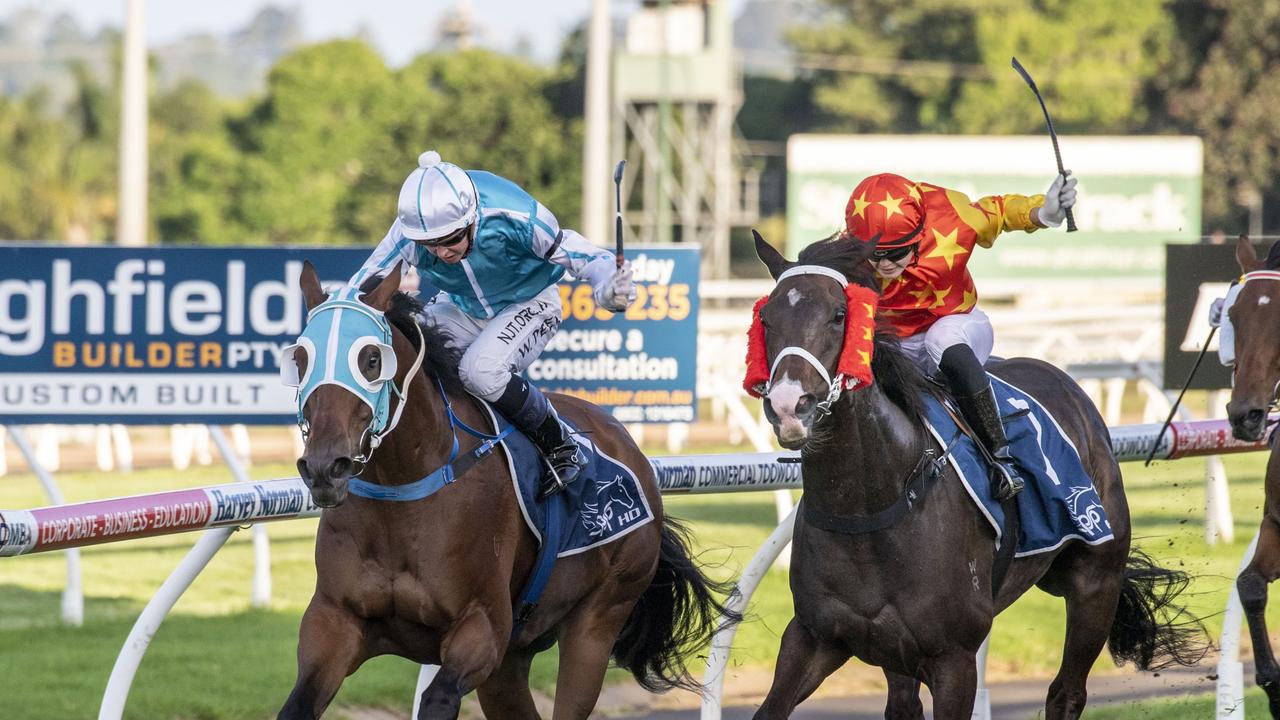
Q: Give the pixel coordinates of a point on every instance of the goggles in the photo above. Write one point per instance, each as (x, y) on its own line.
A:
(449, 240)
(893, 254)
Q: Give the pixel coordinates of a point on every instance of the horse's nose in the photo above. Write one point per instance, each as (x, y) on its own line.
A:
(325, 471)
(1246, 422)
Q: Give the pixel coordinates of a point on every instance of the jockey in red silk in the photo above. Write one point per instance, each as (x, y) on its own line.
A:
(926, 235)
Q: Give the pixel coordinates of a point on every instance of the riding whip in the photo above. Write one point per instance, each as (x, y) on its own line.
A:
(1071, 220)
(617, 219)
(1169, 420)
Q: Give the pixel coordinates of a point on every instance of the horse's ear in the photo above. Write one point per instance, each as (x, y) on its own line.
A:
(312, 293)
(1246, 256)
(380, 297)
(770, 256)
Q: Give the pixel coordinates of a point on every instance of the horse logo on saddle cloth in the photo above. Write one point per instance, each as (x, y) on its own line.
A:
(1059, 502)
(606, 504)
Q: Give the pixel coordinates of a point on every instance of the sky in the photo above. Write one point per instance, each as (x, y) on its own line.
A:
(400, 28)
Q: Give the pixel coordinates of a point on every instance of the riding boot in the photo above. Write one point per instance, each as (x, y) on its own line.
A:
(527, 408)
(983, 415)
(977, 400)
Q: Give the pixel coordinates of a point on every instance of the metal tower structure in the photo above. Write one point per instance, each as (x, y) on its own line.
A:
(677, 89)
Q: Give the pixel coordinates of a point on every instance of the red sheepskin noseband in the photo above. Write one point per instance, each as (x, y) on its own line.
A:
(854, 364)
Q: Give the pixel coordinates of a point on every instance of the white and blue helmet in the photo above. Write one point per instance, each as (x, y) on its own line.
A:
(436, 199)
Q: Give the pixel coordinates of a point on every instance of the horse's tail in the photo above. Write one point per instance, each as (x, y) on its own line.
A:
(1151, 628)
(674, 618)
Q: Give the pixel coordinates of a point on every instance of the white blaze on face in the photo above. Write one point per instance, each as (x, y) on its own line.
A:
(1264, 300)
(793, 296)
(784, 395)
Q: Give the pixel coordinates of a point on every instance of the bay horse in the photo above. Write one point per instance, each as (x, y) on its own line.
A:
(1257, 371)
(913, 595)
(433, 580)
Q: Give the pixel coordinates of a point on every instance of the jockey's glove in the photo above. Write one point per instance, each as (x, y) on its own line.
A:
(1060, 197)
(619, 292)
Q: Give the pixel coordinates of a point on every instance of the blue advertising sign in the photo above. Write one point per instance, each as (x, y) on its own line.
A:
(640, 365)
(184, 334)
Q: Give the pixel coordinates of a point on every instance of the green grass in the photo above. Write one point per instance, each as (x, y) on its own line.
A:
(215, 657)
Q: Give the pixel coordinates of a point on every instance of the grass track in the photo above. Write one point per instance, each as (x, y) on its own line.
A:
(217, 658)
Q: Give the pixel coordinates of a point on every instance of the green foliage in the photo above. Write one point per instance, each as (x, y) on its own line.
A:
(317, 159)
(1228, 94)
(943, 65)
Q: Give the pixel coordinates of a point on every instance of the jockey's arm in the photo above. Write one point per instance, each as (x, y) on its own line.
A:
(394, 246)
(1000, 213)
(573, 252)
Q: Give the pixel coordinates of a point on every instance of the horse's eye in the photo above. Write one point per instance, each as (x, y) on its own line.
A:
(839, 318)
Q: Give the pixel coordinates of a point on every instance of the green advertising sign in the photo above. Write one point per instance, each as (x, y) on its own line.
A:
(1135, 195)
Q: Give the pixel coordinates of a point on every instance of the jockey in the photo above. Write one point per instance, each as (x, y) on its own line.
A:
(497, 254)
(926, 235)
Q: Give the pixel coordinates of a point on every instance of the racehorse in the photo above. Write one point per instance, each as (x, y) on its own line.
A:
(1257, 371)
(911, 591)
(433, 580)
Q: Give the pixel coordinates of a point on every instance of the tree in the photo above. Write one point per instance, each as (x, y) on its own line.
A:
(1228, 94)
(486, 111)
(943, 65)
(322, 127)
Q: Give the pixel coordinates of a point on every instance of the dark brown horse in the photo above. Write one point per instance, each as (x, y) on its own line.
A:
(1255, 317)
(433, 580)
(915, 596)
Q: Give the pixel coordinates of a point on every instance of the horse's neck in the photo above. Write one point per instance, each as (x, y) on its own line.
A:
(420, 443)
(864, 452)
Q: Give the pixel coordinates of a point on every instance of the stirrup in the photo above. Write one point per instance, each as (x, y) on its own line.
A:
(551, 484)
(1008, 482)
(565, 457)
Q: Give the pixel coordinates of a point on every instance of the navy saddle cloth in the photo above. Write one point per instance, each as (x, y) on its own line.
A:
(602, 505)
(1059, 503)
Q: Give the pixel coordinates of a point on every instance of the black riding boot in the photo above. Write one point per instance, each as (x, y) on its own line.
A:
(977, 401)
(527, 408)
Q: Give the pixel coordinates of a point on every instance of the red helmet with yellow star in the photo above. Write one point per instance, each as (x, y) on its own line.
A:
(887, 205)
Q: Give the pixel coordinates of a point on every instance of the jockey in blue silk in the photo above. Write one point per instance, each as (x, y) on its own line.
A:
(497, 254)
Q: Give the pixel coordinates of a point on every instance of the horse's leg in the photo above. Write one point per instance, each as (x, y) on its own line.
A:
(804, 661)
(586, 641)
(1092, 593)
(469, 653)
(953, 682)
(1252, 585)
(904, 698)
(506, 693)
(330, 647)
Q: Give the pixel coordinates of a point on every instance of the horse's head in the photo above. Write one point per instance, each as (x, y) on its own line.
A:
(343, 365)
(1255, 318)
(812, 337)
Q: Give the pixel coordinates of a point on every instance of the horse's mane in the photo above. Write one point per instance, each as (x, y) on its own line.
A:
(898, 377)
(442, 357)
(843, 255)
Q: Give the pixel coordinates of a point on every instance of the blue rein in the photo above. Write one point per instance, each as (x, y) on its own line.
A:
(441, 476)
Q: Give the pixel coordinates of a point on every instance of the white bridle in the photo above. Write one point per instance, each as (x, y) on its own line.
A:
(834, 385)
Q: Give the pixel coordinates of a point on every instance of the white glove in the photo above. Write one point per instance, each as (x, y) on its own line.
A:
(1215, 312)
(1058, 199)
(619, 292)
